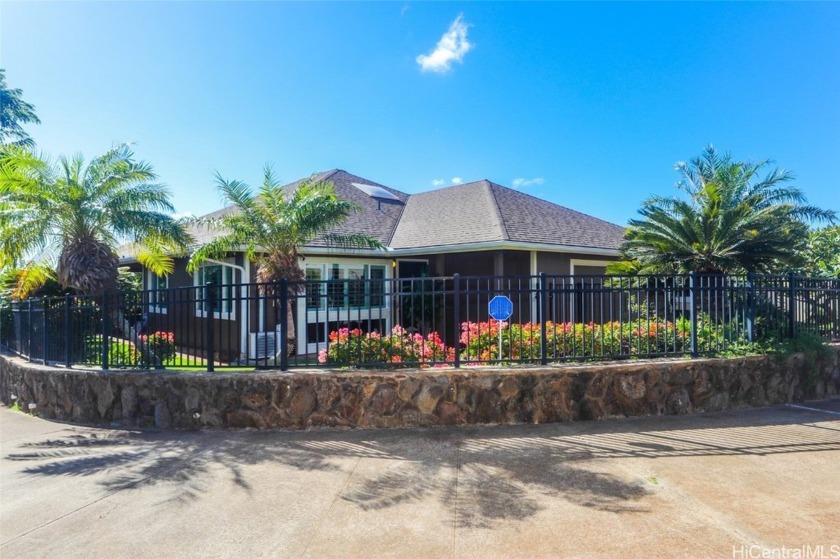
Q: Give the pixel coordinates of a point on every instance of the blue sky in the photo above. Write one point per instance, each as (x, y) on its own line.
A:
(587, 105)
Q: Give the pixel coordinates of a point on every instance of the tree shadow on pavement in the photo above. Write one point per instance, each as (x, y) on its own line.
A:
(483, 475)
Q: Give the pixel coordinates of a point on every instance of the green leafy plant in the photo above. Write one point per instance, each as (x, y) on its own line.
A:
(815, 351)
(732, 217)
(121, 353)
(70, 216)
(822, 253)
(394, 349)
(159, 346)
(274, 224)
(14, 111)
(480, 340)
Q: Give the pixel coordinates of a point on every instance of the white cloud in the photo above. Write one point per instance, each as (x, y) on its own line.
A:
(452, 47)
(438, 182)
(457, 180)
(523, 183)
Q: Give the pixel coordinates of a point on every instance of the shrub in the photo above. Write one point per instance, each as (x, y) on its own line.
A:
(121, 353)
(355, 347)
(159, 346)
(479, 342)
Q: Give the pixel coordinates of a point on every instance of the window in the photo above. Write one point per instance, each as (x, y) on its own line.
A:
(356, 287)
(314, 291)
(376, 287)
(158, 295)
(223, 293)
(335, 289)
(344, 286)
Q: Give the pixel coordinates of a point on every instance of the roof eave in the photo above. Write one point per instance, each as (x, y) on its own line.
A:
(501, 245)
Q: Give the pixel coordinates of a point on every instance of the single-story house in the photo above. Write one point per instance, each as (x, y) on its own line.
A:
(474, 229)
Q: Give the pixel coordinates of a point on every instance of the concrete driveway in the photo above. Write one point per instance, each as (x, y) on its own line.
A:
(733, 484)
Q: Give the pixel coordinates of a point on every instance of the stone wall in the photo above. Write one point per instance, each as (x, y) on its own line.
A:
(470, 395)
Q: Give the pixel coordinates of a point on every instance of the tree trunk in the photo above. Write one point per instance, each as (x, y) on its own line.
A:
(88, 266)
(291, 338)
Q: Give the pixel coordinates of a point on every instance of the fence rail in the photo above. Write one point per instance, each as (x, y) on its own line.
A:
(428, 321)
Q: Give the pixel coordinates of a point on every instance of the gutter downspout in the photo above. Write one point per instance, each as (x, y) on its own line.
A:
(243, 304)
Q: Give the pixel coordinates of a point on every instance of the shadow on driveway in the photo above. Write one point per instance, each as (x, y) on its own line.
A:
(488, 475)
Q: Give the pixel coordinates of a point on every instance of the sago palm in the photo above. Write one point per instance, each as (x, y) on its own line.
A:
(734, 220)
(273, 225)
(70, 216)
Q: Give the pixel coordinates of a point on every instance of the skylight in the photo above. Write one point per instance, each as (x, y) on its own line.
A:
(375, 191)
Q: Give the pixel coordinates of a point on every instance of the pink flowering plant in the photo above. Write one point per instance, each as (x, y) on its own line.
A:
(159, 346)
(479, 342)
(353, 346)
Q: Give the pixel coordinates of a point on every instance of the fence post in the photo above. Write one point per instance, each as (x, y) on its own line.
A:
(543, 312)
(67, 330)
(105, 331)
(46, 335)
(750, 307)
(692, 311)
(456, 293)
(29, 331)
(284, 324)
(209, 315)
(792, 305)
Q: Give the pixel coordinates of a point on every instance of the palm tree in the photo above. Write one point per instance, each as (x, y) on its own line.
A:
(274, 225)
(71, 217)
(733, 220)
(13, 111)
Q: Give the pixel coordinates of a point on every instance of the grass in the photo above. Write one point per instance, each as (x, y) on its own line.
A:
(203, 368)
(192, 363)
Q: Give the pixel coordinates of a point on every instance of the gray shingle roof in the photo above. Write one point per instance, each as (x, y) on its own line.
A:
(533, 220)
(449, 216)
(477, 212)
(486, 212)
(376, 219)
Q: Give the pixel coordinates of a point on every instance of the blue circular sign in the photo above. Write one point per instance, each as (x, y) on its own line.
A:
(500, 307)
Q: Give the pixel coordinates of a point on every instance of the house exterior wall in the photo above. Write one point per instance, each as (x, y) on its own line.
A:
(181, 315)
(262, 314)
(560, 263)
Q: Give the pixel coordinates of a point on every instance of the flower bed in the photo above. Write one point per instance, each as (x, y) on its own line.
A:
(479, 342)
(355, 347)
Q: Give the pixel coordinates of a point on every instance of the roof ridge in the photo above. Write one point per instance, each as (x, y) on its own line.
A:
(369, 181)
(399, 220)
(453, 186)
(324, 175)
(549, 202)
(505, 234)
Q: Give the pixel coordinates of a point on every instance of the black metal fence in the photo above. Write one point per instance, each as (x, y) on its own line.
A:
(440, 321)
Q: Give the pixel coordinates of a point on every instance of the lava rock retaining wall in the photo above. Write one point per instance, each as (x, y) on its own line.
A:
(470, 395)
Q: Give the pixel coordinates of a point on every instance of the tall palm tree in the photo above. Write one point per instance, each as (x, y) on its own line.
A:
(734, 220)
(272, 226)
(14, 111)
(71, 217)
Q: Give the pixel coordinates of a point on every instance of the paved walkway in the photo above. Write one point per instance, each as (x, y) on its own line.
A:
(690, 486)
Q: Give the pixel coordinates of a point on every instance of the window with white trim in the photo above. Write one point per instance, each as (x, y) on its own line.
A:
(158, 295)
(223, 294)
(349, 286)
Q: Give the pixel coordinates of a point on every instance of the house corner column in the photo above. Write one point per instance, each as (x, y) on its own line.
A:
(535, 284)
(499, 263)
